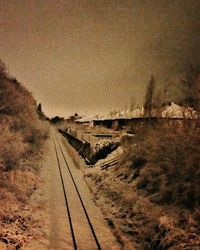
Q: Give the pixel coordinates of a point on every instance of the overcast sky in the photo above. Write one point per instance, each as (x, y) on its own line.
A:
(96, 55)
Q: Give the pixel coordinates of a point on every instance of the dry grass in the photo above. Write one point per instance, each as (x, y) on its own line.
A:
(22, 137)
(166, 159)
(16, 220)
(138, 223)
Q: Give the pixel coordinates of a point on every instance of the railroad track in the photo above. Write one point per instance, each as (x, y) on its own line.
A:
(74, 204)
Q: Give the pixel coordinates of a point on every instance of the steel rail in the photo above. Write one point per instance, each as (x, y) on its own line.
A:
(66, 200)
(81, 200)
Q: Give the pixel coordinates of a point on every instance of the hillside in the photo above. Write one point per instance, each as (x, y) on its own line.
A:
(151, 197)
(22, 136)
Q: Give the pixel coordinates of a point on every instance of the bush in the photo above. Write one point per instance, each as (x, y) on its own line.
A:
(172, 153)
(12, 148)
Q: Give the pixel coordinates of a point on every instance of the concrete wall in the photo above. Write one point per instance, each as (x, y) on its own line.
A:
(83, 147)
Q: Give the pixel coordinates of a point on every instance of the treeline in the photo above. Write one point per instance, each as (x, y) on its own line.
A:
(21, 131)
(188, 87)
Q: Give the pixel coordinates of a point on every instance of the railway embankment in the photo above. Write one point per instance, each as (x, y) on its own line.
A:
(22, 145)
(150, 196)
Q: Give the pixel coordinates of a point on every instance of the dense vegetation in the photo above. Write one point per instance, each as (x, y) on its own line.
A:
(165, 160)
(22, 135)
(151, 198)
(21, 131)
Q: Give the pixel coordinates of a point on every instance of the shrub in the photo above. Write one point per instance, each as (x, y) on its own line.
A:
(172, 151)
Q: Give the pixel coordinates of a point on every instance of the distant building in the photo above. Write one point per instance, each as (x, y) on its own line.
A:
(121, 120)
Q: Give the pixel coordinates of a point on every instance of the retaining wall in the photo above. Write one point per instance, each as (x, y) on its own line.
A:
(85, 149)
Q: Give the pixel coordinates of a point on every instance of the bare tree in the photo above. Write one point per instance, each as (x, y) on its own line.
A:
(191, 86)
(133, 104)
(148, 101)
